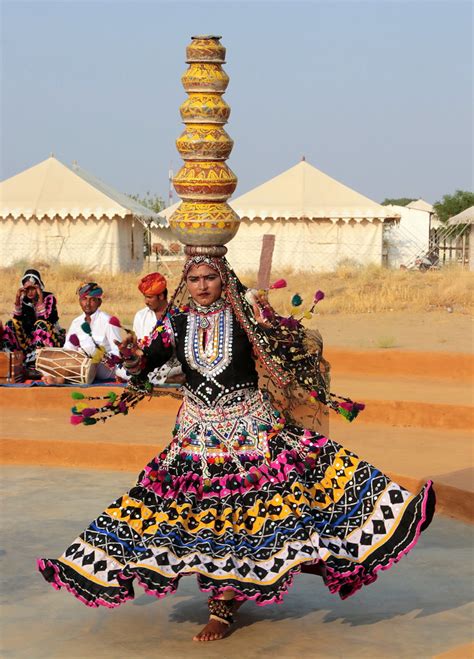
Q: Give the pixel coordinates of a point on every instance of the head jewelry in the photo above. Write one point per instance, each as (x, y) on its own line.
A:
(32, 278)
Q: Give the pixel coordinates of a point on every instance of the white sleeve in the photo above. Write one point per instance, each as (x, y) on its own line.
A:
(67, 344)
(136, 328)
(113, 334)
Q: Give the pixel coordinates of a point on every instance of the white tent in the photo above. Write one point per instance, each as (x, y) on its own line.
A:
(409, 239)
(466, 217)
(54, 214)
(317, 223)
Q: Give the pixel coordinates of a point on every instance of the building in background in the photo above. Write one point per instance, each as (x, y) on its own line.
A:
(318, 223)
(409, 239)
(54, 214)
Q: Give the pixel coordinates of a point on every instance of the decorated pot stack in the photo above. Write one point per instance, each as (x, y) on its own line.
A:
(203, 221)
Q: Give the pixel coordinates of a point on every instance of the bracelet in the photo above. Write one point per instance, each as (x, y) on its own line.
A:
(134, 365)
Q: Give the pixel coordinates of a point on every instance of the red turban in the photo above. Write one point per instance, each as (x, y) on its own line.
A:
(152, 284)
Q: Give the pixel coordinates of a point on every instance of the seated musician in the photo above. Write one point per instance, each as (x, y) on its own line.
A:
(147, 321)
(90, 330)
(34, 323)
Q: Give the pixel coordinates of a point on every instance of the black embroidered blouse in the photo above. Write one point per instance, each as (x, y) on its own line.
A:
(214, 351)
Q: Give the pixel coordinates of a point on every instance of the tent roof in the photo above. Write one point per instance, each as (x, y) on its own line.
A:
(464, 217)
(305, 192)
(421, 205)
(166, 213)
(51, 189)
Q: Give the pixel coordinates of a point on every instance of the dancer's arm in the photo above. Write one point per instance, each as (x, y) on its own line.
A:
(140, 362)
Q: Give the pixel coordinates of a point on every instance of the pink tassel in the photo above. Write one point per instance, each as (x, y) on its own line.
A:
(75, 340)
(76, 420)
(279, 283)
(318, 296)
(115, 321)
(89, 411)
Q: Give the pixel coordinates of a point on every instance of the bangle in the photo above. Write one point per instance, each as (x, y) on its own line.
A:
(134, 365)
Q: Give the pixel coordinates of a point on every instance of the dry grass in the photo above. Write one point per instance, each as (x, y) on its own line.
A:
(374, 289)
(349, 290)
(121, 295)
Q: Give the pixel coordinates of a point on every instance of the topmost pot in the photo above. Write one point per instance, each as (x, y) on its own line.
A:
(205, 48)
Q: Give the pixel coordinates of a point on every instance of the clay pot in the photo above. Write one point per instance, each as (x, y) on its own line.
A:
(205, 180)
(202, 108)
(204, 142)
(203, 77)
(205, 48)
(202, 223)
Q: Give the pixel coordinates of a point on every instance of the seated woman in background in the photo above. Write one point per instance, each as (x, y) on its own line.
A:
(34, 323)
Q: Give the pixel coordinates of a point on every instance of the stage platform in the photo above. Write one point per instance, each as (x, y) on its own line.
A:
(420, 608)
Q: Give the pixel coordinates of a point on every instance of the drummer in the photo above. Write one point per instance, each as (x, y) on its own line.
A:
(102, 333)
(154, 289)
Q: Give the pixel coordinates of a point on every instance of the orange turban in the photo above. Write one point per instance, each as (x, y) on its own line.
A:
(152, 284)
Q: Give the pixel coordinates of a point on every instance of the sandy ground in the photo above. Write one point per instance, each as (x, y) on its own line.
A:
(420, 608)
(422, 331)
(433, 331)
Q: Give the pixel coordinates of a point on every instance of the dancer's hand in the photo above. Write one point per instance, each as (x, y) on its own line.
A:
(263, 312)
(128, 347)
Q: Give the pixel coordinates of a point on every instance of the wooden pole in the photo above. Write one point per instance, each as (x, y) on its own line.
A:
(266, 256)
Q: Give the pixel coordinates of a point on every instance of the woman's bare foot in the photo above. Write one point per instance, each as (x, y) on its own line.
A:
(213, 631)
(53, 379)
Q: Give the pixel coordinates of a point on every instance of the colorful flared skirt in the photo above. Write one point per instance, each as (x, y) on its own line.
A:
(244, 502)
(43, 333)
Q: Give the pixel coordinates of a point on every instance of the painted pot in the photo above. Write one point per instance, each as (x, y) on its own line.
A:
(203, 223)
(201, 108)
(204, 77)
(205, 48)
(204, 142)
(207, 181)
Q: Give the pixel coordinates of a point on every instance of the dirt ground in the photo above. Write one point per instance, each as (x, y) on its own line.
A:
(423, 331)
(432, 331)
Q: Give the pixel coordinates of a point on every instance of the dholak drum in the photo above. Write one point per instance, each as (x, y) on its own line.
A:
(71, 365)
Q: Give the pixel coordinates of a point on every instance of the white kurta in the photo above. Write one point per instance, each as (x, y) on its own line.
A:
(144, 322)
(143, 325)
(104, 334)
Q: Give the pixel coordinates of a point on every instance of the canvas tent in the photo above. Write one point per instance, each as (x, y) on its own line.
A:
(317, 222)
(54, 214)
(466, 217)
(409, 239)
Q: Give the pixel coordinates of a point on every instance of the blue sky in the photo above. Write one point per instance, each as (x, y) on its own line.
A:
(375, 94)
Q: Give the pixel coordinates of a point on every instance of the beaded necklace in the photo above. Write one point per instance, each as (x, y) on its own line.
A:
(203, 312)
(208, 345)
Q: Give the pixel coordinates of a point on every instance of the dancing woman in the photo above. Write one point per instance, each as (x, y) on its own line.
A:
(241, 497)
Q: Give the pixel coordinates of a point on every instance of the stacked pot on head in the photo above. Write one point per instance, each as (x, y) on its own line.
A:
(204, 221)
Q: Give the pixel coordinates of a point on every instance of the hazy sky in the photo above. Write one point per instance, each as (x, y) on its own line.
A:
(375, 94)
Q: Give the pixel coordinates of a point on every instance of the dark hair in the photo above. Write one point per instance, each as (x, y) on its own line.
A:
(31, 272)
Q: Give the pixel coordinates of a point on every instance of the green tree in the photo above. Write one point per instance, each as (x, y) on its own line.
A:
(452, 204)
(403, 201)
(152, 201)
